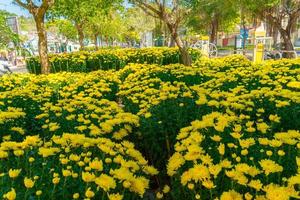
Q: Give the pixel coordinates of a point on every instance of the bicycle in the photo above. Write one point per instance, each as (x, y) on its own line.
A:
(272, 54)
(211, 49)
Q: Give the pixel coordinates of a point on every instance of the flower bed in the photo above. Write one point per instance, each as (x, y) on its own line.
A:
(221, 129)
(63, 136)
(106, 59)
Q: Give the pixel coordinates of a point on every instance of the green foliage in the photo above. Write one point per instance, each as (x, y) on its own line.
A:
(25, 114)
(137, 22)
(84, 14)
(206, 12)
(178, 99)
(257, 6)
(108, 59)
(64, 28)
(27, 24)
(106, 24)
(6, 34)
(77, 10)
(221, 128)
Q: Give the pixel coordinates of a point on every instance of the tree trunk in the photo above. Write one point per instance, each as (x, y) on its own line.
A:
(269, 28)
(286, 32)
(96, 41)
(42, 44)
(255, 22)
(214, 31)
(101, 41)
(165, 35)
(106, 40)
(172, 42)
(287, 43)
(66, 45)
(275, 35)
(79, 28)
(185, 56)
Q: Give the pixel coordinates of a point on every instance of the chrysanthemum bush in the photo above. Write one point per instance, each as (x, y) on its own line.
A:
(163, 99)
(223, 156)
(72, 166)
(221, 129)
(46, 102)
(54, 139)
(248, 146)
(264, 96)
(106, 59)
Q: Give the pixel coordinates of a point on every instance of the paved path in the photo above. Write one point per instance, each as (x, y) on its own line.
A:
(22, 69)
(18, 70)
(222, 53)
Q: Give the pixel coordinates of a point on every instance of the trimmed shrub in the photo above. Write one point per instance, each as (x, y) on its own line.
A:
(106, 59)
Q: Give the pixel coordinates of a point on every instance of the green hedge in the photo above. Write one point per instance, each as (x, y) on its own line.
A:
(108, 59)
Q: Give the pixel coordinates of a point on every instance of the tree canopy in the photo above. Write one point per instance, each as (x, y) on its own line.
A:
(6, 34)
(81, 12)
(64, 28)
(211, 16)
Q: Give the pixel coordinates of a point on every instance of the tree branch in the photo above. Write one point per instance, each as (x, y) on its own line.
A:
(145, 6)
(20, 3)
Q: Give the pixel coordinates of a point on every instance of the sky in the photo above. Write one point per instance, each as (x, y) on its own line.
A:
(10, 7)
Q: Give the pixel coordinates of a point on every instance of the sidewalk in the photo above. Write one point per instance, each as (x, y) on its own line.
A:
(15, 69)
(19, 69)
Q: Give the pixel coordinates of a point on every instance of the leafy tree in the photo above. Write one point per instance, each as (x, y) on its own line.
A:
(80, 11)
(64, 28)
(211, 15)
(95, 27)
(6, 34)
(27, 24)
(137, 22)
(106, 24)
(172, 13)
(38, 9)
(276, 12)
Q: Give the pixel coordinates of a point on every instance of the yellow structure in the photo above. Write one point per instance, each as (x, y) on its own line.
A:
(260, 42)
(260, 34)
(205, 45)
(259, 53)
(205, 38)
